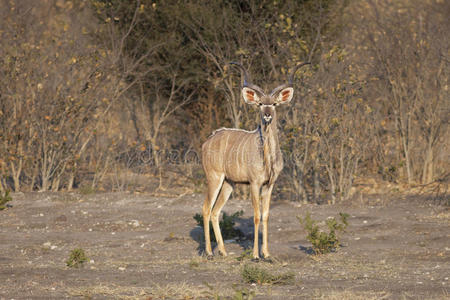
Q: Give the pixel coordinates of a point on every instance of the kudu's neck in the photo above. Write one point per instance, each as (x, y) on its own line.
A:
(269, 138)
(270, 149)
(270, 130)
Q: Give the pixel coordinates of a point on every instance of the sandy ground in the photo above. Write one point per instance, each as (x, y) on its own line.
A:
(146, 247)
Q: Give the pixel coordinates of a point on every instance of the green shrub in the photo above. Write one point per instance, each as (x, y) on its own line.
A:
(77, 258)
(254, 274)
(226, 226)
(323, 242)
(4, 198)
(86, 190)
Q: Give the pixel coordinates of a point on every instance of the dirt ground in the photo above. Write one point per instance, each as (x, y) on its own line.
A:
(147, 247)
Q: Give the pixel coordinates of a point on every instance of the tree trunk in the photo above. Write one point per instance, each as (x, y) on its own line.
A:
(71, 180)
(16, 174)
(330, 171)
(299, 185)
(316, 181)
(407, 159)
(427, 172)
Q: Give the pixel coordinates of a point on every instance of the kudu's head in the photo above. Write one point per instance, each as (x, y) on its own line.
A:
(254, 95)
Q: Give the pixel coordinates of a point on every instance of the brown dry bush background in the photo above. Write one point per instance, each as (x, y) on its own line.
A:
(119, 95)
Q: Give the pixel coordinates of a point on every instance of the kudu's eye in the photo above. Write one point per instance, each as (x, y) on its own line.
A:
(260, 104)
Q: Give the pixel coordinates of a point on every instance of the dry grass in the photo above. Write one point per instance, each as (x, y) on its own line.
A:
(110, 291)
(157, 291)
(358, 295)
(441, 217)
(349, 295)
(182, 291)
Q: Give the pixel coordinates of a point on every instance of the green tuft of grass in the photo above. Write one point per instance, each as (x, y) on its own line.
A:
(246, 255)
(321, 241)
(194, 263)
(4, 198)
(226, 225)
(255, 274)
(243, 294)
(77, 258)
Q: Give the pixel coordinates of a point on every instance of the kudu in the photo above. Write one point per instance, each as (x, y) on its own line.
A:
(232, 156)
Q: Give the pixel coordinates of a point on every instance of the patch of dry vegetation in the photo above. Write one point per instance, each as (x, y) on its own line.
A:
(253, 273)
(106, 103)
(348, 295)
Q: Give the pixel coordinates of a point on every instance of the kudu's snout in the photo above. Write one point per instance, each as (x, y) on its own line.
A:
(267, 118)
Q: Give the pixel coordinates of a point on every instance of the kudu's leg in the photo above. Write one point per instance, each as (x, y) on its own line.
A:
(214, 185)
(266, 195)
(255, 191)
(224, 194)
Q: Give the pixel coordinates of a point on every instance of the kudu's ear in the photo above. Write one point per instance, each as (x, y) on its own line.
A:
(285, 95)
(250, 96)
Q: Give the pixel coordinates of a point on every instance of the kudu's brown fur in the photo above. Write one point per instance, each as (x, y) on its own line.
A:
(237, 156)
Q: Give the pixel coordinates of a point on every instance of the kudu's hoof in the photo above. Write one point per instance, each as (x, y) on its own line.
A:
(209, 257)
(268, 260)
(256, 259)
